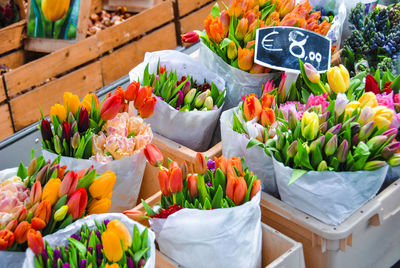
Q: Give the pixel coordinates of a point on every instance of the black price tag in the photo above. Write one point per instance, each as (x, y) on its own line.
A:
(280, 48)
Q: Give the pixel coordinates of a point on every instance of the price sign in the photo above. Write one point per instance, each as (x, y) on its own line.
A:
(280, 48)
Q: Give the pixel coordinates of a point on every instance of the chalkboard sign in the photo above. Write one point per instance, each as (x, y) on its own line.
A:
(280, 48)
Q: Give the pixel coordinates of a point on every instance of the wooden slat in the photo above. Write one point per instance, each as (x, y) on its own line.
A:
(25, 108)
(11, 36)
(131, 6)
(121, 61)
(5, 122)
(35, 72)
(2, 90)
(195, 21)
(135, 26)
(187, 6)
(14, 60)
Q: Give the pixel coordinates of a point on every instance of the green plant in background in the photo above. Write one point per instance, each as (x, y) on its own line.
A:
(56, 19)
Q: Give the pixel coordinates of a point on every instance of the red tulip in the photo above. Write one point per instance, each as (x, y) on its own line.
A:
(175, 182)
(110, 107)
(44, 211)
(21, 232)
(190, 38)
(163, 181)
(147, 108)
(35, 241)
(77, 203)
(66, 132)
(200, 164)
(36, 192)
(143, 93)
(173, 164)
(38, 223)
(387, 88)
(119, 91)
(6, 239)
(371, 85)
(192, 185)
(153, 155)
(45, 130)
(11, 225)
(83, 123)
(68, 184)
(132, 91)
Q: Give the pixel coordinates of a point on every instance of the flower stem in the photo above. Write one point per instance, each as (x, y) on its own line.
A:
(174, 198)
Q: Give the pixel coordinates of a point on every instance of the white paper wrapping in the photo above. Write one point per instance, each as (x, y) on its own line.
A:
(238, 82)
(129, 172)
(8, 258)
(193, 129)
(329, 196)
(60, 237)
(228, 237)
(234, 144)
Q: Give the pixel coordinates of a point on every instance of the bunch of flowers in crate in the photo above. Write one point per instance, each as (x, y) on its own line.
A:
(45, 197)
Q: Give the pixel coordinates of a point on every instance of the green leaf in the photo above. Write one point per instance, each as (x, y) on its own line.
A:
(296, 174)
(215, 11)
(138, 255)
(148, 209)
(201, 186)
(221, 98)
(207, 204)
(254, 142)
(146, 76)
(22, 171)
(87, 180)
(396, 84)
(61, 202)
(230, 202)
(250, 186)
(219, 180)
(81, 248)
(137, 242)
(217, 200)
(214, 92)
(237, 125)
(144, 238)
(67, 221)
(225, 43)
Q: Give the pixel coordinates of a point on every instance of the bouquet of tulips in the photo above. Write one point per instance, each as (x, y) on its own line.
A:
(183, 103)
(223, 195)
(45, 197)
(184, 93)
(106, 240)
(106, 135)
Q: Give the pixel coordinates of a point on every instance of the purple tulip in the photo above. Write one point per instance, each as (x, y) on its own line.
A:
(83, 263)
(186, 88)
(335, 129)
(66, 265)
(366, 131)
(45, 256)
(89, 249)
(106, 222)
(390, 150)
(340, 104)
(343, 151)
(45, 129)
(99, 247)
(209, 183)
(141, 263)
(179, 101)
(390, 133)
(331, 146)
(83, 123)
(211, 164)
(130, 263)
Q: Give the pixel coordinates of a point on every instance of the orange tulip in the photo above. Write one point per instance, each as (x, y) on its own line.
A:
(61, 172)
(273, 18)
(77, 203)
(267, 117)
(267, 100)
(134, 214)
(153, 155)
(221, 163)
(236, 189)
(35, 241)
(173, 164)
(241, 29)
(143, 93)
(11, 225)
(214, 28)
(21, 214)
(232, 163)
(252, 107)
(286, 7)
(255, 189)
(225, 20)
(257, 69)
(50, 190)
(192, 185)
(245, 58)
(132, 91)
(6, 239)
(21, 232)
(147, 108)
(119, 91)
(236, 8)
(68, 184)
(200, 164)
(163, 181)
(43, 211)
(324, 27)
(38, 223)
(175, 182)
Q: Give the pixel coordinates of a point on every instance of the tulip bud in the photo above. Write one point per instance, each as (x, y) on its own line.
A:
(292, 119)
(338, 79)
(241, 29)
(21, 232)
(184, 168)
(376, 142)
(340, 104)
(292, 149)
(11, 225)
(135, 215)
(200, 164)
(322, 166)
(310, 125)
(314, 144)
(175, 182)
(36, 192)
(190, 96)
(373, 165)
(192, 185)
(331, 146)
(153, 155)
(60, 214)
(59, 130)
(35, 241)
(280, 140)
(200, 100)
(22, 214)
(186, 88)
(208, 103)
(312, 73)
(245, 58)
(71, 118)
(323, 127)
(163, 181)
(110, 107)
(76, 140)
(366, 115)
(366, 131)
(232, 51)
(32, 167)
(335, 129)
(390, 150)
(390, 134)
(41, 175)
(394, 161)
(190, 38)
(57, 145)
(343, 151)
(45, 130)
(355, 128)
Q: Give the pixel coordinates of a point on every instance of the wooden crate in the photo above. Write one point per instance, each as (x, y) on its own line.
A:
(84, 66)
(11, 37)
(5, 121)
(131, 6)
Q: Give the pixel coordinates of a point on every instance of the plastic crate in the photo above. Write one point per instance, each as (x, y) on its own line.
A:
(278, 250)
(368, 238)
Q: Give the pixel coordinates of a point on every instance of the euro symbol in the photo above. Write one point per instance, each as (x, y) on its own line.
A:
(267, 43)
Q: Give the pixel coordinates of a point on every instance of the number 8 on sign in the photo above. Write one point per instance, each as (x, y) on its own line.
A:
(295, 43)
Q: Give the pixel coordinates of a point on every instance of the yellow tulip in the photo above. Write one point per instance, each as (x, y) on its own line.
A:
(60, 214)
(99, 206)
(309, 125)
(87, 101)
(338, 79)
(350, 107)
(103, 186)
(121, 231)
(114, 265)
(368, 99)
(383, 117)
(58, 110)
(111, 246)
(71, 101)
(55, 10)
(50, 191)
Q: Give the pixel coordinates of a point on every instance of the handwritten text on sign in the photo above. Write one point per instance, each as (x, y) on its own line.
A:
(280, 48)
